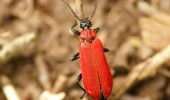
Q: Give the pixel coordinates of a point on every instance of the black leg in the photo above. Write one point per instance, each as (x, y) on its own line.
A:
(74, 30)
(75, 57)
(78, 84)
(96, 29)
(106, 50)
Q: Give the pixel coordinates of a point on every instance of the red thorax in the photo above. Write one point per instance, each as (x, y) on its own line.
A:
(87, 34)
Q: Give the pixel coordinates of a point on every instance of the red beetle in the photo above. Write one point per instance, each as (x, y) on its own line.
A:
(95, 72)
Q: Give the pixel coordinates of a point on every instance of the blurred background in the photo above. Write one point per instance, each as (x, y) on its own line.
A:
(35, 45)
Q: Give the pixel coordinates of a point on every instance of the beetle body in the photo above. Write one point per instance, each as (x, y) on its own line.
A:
(95, 72)
(96, 75)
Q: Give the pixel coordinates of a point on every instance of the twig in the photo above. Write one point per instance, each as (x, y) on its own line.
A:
(8, 89)
(46, 95)
(16, 47)
(43, 72)
(59, 83)
(146, 8)
(142, 71)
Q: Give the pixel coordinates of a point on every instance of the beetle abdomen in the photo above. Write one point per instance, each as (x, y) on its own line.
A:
(95, 70)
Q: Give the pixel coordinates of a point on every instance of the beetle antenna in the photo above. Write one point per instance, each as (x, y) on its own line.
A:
(95, 6)
(69, 7)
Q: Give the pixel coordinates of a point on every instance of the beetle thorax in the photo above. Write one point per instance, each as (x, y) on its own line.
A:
(87, 34)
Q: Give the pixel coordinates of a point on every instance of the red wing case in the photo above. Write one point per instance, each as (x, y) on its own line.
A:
(89, 71)
(95, 70)
(105, 75)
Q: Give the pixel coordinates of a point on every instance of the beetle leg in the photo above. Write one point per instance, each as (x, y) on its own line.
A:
(74, 57)
(74, 30)
(78, 84)
(96, 29)
(106, 49)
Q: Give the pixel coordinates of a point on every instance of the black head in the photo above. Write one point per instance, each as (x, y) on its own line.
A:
(85, 23)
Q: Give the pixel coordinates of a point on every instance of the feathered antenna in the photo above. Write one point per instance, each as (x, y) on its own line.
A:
(95, 6)
(64, 1)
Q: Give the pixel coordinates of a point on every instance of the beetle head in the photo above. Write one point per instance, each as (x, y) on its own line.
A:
(85, 23)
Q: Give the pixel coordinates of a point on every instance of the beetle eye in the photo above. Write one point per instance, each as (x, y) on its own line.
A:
(85, 23)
